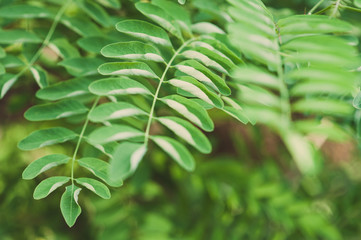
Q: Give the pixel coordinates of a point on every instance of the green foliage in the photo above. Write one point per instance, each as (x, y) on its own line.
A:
(119, 89)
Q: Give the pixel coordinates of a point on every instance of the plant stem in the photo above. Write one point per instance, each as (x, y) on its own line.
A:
(151, 114)
(337, 5)
(80, 138)
(315, 7)
(352, 8)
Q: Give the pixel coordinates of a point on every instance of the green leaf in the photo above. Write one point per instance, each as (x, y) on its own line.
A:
(237, 114)
(94, 43)
(65, 89)
(145, 31)
(48, 186)
(7, 80)
(323, 106)
(95, 12)
(176, 151)
(2, 52)
(18, 36)
(81, 66)
(82, 26)
(160, 17)
(51, 111)
(190, 110)
(357, 101)
(43, 164)
(118, 86)
(132, 51)
(357, 3)
(63, 48)
(95, 186)
(251, 74)
(197, 89)
(112, 110)
(110, 3)
(204, 75)
(21, 11)
(45, 137)
(127, 69)
(302, 152)
(69, 205)
(113, 133)
(10, 61)
(100, 169)
(2, 69)
(206, 28)
(125, 160)
(307, 24)
(180, 14)
(188, 132)
(40, 76)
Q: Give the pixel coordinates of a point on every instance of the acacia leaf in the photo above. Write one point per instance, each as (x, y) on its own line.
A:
(114, 110)
(43, 164)
(95, 186)
(48, 186)
(118, 86)
(46, 137)
(69, 205)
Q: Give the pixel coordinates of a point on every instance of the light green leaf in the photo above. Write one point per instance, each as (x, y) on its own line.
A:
(114, 110)
(357, 3)
(43, 164)
(7, 80)
(69, 205)
(145, 31)
(357, 101)
(63, 48)
(2, 69)
(182, 2)
(65, 89)
(110, 3)
(132, 51)
(100, 169)
(237, 114)
(205, 60)
(21, 11)
(82, 26)
(176, 151)
(251, 74)
(40, 76)
(94, 43)
(188, 132)
(127, 69)
(10, 61)
(307, 24)
(180, 14)
(95, 186)
(118, 86)
(95, 12)
(197, 89)
(323, 106)
(18, 36)
(112, 133)
(2, 52)
(45, 137)
(51, 111)
(81, 66)
(204, 75)
(160, 17)
(302, 152)
(125, 160)
(48, 186)
(206, 28)
(190, 110)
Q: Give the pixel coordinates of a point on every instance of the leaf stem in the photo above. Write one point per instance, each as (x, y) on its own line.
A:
(315, 7)
(80, 139)
(151, 114)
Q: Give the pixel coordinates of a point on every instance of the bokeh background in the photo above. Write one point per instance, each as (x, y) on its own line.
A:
(247, 188)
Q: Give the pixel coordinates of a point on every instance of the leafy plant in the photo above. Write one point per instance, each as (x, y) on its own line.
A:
(162, 80)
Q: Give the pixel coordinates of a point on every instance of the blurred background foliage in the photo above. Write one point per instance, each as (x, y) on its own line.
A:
(248, 188)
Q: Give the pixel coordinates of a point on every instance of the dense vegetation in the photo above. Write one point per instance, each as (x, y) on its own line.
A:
(180, 120)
